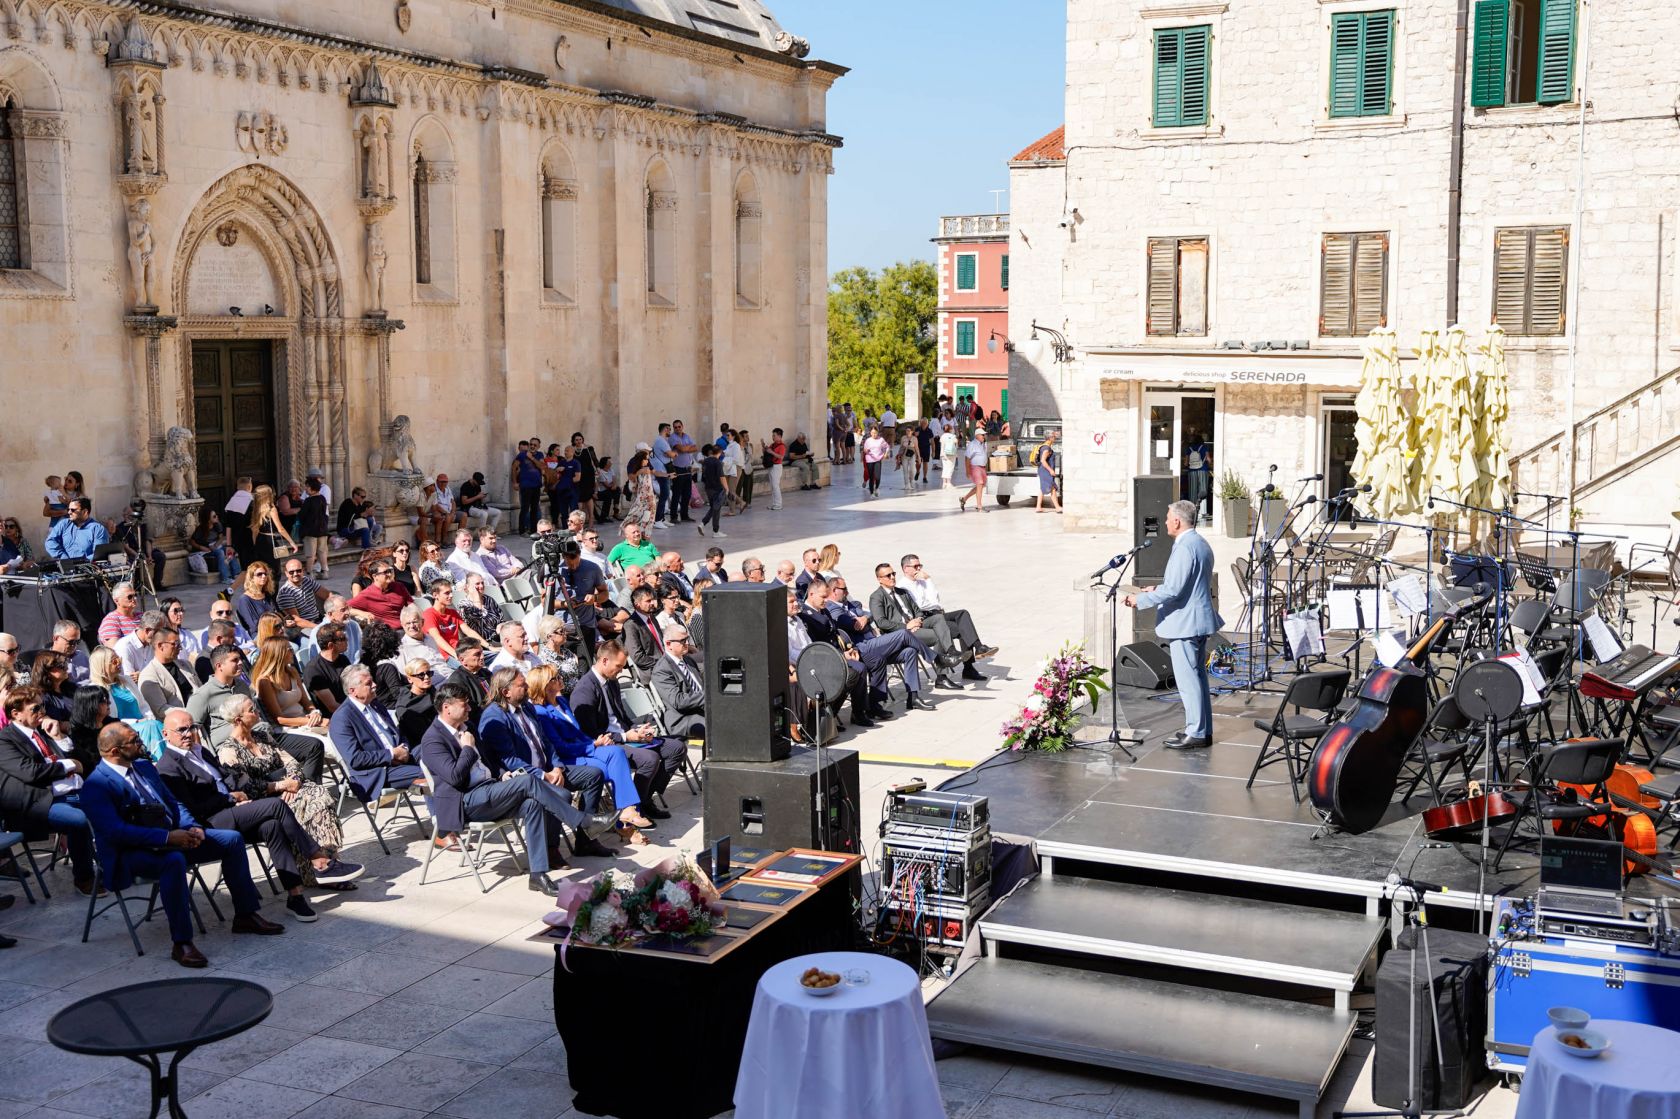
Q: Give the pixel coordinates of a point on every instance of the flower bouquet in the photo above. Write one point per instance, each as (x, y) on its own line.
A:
(1047, 720)
(614, 908)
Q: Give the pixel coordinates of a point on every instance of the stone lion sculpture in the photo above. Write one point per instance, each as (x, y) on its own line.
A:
(176, 473)
(396, 451)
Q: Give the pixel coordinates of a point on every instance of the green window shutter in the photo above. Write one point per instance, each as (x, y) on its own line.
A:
(966, 278)
(1376, 65)
(965, 339)
(1193, 103)
(1487, 71)
(1005, 271)
(1361, 64)
(1169, 76)
(1347, 33)
(1557, 52)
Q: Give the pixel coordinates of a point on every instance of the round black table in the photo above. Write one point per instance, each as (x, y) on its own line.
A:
(147, 1019)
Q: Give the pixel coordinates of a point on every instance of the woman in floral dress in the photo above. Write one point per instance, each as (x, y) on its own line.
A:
(644, 497)
(248, 749)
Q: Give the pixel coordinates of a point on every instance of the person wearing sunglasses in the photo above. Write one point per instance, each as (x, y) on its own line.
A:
(15, 553)
(42, 783)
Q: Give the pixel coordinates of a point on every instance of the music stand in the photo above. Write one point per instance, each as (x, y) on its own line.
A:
(1487, 692)
(821, 671)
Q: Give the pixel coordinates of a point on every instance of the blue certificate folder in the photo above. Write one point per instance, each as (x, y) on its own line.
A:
(757, 893)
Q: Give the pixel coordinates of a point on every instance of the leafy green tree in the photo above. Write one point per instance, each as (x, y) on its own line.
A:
(881, 326)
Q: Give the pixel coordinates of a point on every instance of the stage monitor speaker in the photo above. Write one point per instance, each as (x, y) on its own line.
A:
(1143, 664)
(1151, 494)
(795, 802)
(747, 701)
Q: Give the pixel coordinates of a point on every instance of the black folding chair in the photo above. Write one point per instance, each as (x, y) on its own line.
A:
(1310, 691)
(1581, 761)
(1446, 740)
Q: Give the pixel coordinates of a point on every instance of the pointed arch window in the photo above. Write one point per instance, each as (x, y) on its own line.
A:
(14, 240)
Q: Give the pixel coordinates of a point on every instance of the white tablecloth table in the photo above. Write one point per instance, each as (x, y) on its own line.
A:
(1638, 1077)
(860, 1051)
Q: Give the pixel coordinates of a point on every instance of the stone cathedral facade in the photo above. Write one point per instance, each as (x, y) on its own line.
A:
(278, 225)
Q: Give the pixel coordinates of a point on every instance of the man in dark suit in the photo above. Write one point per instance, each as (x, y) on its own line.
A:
(893, 609)
(644, 643)
(40, 788)
(236, 803)
(599, 706)
(715, 567)
(466, 790)
(367, 740)
(144, 830)
(472, 677)
(877, 650)
(510, 741)
(862, 681)
(671, 576)
(679, 683)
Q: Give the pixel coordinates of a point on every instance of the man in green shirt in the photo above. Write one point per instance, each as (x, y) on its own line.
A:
(634, 548)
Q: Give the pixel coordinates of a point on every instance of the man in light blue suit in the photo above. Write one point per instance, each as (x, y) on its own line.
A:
(1184, 614)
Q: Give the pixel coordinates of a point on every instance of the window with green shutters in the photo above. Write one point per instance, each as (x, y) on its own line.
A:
(1524, 53)
(1005, 276)
(967, 329)
(968, 271)
(1181, 76)
(1361, 64)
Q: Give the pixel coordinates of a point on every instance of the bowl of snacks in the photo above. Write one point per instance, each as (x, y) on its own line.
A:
(816, 981)
(1568, 1018)
(1582, 1043)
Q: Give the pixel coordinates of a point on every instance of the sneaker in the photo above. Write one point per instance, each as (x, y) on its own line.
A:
(299, 908)
(336, 872)
(720, 535)
(704, 531)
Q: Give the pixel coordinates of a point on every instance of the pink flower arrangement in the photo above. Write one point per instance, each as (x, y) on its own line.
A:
(1048, 719)
(613, 909)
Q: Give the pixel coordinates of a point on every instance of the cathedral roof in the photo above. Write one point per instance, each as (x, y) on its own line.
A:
(748, 22)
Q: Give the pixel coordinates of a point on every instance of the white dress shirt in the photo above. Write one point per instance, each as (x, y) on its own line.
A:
(798, 639)
(135, 654)
(925, 593)
(461, 564)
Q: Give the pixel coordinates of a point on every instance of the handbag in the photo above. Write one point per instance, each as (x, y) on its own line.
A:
(197, 564)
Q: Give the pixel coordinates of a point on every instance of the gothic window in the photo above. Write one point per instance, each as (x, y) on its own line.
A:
(559, 229)
(34, 220)
(749, 259)
(432, 198)
(661, 234)
(13, 243)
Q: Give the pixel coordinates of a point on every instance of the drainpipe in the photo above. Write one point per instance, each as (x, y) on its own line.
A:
(1455, 170)
(1579, 244)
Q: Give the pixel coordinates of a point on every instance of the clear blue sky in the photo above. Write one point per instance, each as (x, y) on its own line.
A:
(941, 94)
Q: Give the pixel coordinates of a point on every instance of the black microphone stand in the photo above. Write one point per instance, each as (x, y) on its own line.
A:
(1113, 589)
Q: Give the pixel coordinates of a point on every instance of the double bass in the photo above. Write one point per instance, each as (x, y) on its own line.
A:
(1356, 765)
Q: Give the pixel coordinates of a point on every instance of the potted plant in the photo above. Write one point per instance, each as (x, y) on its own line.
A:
(1273, 508)
(1234, 494)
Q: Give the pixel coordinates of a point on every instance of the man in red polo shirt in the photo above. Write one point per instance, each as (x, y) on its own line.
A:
(383, 600)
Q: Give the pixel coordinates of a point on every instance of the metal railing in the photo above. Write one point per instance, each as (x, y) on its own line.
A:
(1612, 442)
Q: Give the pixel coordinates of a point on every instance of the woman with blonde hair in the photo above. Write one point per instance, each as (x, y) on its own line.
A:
(269, 538)
(105, 668)
(543, 685)
(256, 597)
(280, 686)
(828, 561)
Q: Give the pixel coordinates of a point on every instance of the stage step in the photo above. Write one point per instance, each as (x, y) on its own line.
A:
(1179, 928)
(1249, 1043)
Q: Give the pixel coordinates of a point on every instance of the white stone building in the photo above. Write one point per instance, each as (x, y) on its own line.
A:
(282, 223)
(1246, 188)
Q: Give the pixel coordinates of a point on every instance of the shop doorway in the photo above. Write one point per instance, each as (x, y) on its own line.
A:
(1338, 446)
(1178, 440)
(233, 415)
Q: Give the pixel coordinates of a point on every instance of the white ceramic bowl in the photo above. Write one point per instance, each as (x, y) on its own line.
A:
(1568, 1018)
(1596, 1043)
(821, 992)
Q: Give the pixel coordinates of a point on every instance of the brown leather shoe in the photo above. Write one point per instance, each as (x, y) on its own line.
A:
(187, 955)
(86, 886)
(256, 924)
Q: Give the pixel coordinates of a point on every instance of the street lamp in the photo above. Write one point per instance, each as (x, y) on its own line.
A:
(992, 344)
(1059, 344)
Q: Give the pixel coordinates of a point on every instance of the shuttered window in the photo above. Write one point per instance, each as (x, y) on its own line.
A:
(11, 195)
(1361, 64)
(1005, 273)
(1178, 282)
(1181, 76)
(968, 268)
(1353, 284)
(1524, 53)
(1530, 271)
(967, 329)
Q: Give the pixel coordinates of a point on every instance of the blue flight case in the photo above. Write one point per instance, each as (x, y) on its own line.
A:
(1531, 974)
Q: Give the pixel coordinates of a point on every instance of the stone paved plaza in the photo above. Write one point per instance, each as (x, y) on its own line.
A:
(406, 1000)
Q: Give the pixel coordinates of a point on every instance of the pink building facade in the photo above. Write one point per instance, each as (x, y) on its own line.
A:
(974, 309)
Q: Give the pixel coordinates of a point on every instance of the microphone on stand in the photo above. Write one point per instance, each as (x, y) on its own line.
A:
(1313, 478)
(1416, 884)
(1120, 559)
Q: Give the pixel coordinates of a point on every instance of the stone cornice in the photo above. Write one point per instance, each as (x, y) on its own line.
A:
(243, 47)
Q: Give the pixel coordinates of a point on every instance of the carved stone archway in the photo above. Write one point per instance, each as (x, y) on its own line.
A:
(309, 326)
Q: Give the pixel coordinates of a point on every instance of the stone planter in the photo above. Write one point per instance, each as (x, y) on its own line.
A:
(1273, 511)
(1239, 517)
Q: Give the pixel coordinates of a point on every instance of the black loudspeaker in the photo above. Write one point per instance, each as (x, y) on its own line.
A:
(794, 802)
(1143, 664)
(1454, 976)
(1151, 494)
(747, 698)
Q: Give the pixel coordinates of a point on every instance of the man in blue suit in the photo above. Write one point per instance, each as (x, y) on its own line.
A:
(1184, 614)
(140, 828)
(366, 737)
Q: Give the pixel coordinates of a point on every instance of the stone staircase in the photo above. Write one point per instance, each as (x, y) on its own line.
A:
(1609, 445)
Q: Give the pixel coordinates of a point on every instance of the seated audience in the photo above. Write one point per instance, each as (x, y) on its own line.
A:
(40, 787)
(414, 643)
(515, 653)
(569, 743)
(357, 520)
(482, 613)
(671, 575)
(599, 706)
(465, 560)
(475, 504)
(473, 678)
(136, 649)
(299, 601)
(644, 641)
(67, 642)
(432, 567)
(382, 656)
(257, 598)
(167, 682)
(417, 707)
(105, 669)
(634, 548)
(365, 735)
(500, 563)
(280, 688)
(714, 565)
(384, 600)
(323, 675)
(954, 628)
(513, 741)
(124, 619)
(679, 681)
(251, 753)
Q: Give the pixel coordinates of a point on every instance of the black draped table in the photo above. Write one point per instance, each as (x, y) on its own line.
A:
(29, 606)
(687, 1006)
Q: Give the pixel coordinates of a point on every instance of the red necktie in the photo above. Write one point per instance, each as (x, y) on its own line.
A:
(44, 746)
(658, 641)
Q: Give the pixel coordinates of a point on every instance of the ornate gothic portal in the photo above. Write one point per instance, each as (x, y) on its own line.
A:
(254, 237)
